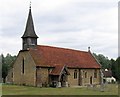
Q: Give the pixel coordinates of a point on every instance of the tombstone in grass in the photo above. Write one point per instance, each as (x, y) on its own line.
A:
(102, 87)
(95, 87)
(59, 85)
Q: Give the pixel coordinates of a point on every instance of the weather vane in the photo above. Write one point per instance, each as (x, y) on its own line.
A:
(30, 4)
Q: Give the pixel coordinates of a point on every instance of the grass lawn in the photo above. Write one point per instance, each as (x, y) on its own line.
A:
(25, 90)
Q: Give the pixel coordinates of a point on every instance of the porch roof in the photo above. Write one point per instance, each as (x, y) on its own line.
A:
(57, 70)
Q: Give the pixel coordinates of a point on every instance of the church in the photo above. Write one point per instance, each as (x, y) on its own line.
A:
(48, 66)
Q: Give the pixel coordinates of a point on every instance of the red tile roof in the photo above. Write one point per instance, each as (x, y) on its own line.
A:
(57, 70)
(48, 56)
(107, 73)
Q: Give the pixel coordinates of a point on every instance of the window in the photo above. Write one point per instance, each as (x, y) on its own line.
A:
(33, 41)
(75, 74)
(23, 66)
(95, 74)
(12, 75)
(85, 74)
(49, 70)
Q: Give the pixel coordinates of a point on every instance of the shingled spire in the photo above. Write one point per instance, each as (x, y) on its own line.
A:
(29, 37)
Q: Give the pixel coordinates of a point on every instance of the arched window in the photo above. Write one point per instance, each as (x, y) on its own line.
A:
(85, 74)
(12, 75)
(75, 74)
(23, 66)
(95, 74)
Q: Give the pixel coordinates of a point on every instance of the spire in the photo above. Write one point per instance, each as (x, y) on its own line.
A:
(29, 37)
(29, 30)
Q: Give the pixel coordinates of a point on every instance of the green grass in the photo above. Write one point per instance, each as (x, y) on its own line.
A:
(25, 90)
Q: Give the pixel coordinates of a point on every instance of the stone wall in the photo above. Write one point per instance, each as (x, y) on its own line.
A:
(82, 78)
(9, 78)
(44, 76)
(71, 80)
(90, 73)
(29, 75)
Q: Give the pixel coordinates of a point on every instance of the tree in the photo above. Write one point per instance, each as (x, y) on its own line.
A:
(116, 69)
(1, 61)
(6, 64)
(104, 61)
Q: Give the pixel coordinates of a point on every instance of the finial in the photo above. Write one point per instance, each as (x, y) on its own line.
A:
(30, 4)
(88, 49)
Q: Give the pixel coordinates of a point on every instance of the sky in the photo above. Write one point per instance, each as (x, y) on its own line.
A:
(74, 24)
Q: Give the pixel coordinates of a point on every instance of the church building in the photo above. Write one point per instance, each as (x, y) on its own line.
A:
(44, 66)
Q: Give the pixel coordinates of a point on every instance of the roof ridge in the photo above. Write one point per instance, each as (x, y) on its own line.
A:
(63, 48)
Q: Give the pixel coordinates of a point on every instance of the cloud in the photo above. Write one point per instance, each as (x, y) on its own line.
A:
(73, 24)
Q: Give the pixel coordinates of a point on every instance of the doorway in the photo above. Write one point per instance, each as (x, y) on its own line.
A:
(63, 80)
(91, 80)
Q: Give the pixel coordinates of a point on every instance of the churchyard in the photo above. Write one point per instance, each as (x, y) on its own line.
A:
(109, 89)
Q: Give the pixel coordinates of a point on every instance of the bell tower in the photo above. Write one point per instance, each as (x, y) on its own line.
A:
(29, 38)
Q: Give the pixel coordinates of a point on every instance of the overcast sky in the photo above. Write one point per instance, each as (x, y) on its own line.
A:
(75, 24)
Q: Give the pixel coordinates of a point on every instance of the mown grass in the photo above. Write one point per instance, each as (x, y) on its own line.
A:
(25, 90)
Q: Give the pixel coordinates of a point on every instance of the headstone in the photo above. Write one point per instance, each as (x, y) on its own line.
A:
(102, 88)
(39, 85)
(66, 84)
(59, 85)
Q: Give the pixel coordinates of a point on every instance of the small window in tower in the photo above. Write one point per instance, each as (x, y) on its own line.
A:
(75, 74)
(23, 66)
(33, 42)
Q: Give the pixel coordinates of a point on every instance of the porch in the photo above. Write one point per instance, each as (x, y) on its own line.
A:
(59, 76)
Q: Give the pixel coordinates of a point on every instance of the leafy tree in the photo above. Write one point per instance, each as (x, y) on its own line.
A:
(116, 69)
(1, 57)
(6, 64)
(104, 61)
(112, 64)
(113, 67)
